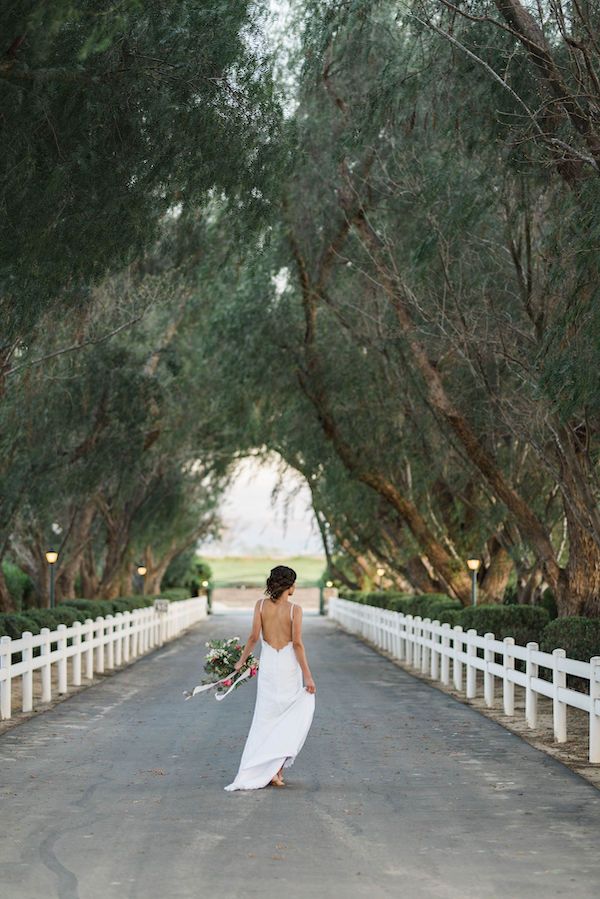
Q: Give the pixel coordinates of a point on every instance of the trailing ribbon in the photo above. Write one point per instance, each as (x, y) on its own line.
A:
(201, 688)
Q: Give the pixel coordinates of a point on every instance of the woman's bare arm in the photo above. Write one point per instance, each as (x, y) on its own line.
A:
(252, 639)
(300, 651)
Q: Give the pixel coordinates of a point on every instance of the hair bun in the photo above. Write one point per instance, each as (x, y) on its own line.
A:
(280, 579)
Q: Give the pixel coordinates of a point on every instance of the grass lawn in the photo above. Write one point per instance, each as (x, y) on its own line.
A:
(254, 570)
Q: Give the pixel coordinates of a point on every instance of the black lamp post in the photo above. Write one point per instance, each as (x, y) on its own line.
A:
(51, 559)
(473, 565)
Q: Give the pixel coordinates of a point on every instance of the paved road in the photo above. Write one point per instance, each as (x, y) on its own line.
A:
(399, 791)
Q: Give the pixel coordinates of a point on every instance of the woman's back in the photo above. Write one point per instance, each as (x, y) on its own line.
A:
(276, 623)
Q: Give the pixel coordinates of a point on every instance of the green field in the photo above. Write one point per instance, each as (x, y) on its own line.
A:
(253, 570)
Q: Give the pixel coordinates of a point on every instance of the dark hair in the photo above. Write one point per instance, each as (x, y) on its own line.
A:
(280, 579)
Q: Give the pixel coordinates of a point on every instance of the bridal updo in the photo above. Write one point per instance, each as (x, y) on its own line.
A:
(280, 579)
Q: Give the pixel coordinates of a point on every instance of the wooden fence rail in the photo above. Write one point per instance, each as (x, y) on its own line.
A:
(454, 656)
(94, 646)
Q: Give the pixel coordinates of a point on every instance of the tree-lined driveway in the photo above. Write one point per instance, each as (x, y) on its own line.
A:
(398, 791)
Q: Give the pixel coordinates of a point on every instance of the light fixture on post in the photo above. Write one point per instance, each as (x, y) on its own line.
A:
(142, 570)
(329, 584)
(473, 565)
(208, 588)
(51, 559)
(380, 573)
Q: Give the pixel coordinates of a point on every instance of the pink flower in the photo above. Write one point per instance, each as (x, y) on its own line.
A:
(252, 672)
(227, 683)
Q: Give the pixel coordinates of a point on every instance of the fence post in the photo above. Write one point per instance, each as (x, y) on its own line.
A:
(89, 648)
(76, 670)
(110, 642)
(27, 681)
(100, 647)
(559, 708)
(409, 639)
(508, 685)
(119, 639)
(471, 669)
(425, 635)
(489, 681)
(445, 661)
(595, 710)
(435, 656)
(417, 647)
(531, 697)
(401, 640)
(135, 633)
(6, 685)
(127, 636)
(61, 644)
(46, 669)
(145, 625)
(457, 644)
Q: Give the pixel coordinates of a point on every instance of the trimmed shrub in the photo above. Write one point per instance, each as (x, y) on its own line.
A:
(548, 602)
(14, 625)
(69, 614)
(431, 605)
(93, 608)
(60, 614)
(45, 618)
(524, 623)
(129, 603)
(175, 593)
(452, 617)
(125, 605)
(579, 637)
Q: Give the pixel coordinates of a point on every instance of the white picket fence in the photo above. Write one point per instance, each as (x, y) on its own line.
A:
(94, 646)
(450, 655)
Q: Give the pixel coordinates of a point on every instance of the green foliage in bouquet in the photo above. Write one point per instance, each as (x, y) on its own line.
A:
(220, 659)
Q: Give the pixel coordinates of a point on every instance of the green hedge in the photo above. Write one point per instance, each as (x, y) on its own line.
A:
(524, 623)
(175, 593)
(13, 624)
(579, 637)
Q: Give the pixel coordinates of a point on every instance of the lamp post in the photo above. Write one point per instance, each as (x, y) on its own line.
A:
(51, 559)
(380, 573)
(206, 585)
(473, 565)
(142, 573)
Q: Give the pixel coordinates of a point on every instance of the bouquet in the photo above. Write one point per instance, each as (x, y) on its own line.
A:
(220, 659)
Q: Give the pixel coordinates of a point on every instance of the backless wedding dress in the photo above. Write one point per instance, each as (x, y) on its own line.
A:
(282, 717)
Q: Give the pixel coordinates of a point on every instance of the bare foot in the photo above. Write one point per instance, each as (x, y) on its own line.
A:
(278, 781)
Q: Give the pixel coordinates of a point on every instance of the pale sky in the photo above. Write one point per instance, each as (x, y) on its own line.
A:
(255, 524)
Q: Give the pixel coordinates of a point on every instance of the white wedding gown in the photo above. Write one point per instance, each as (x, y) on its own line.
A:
(282, 718)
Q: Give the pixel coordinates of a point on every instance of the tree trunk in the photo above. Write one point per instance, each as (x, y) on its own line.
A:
(532, 530)
(6, 600)
(417, 574)
(456, 580)
(497, 574)
(579, 591)
(89, 575)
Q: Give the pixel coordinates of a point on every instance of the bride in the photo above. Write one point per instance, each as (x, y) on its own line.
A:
(284, 706)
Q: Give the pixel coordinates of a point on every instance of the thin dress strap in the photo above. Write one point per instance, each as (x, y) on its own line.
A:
(292, 619)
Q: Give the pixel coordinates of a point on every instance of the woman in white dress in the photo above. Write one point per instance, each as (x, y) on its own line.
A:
(284, 704)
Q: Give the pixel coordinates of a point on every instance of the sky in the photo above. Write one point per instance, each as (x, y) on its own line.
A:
(256, 524)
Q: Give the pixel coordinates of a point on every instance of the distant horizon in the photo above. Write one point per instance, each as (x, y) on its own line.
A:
(260, 521)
